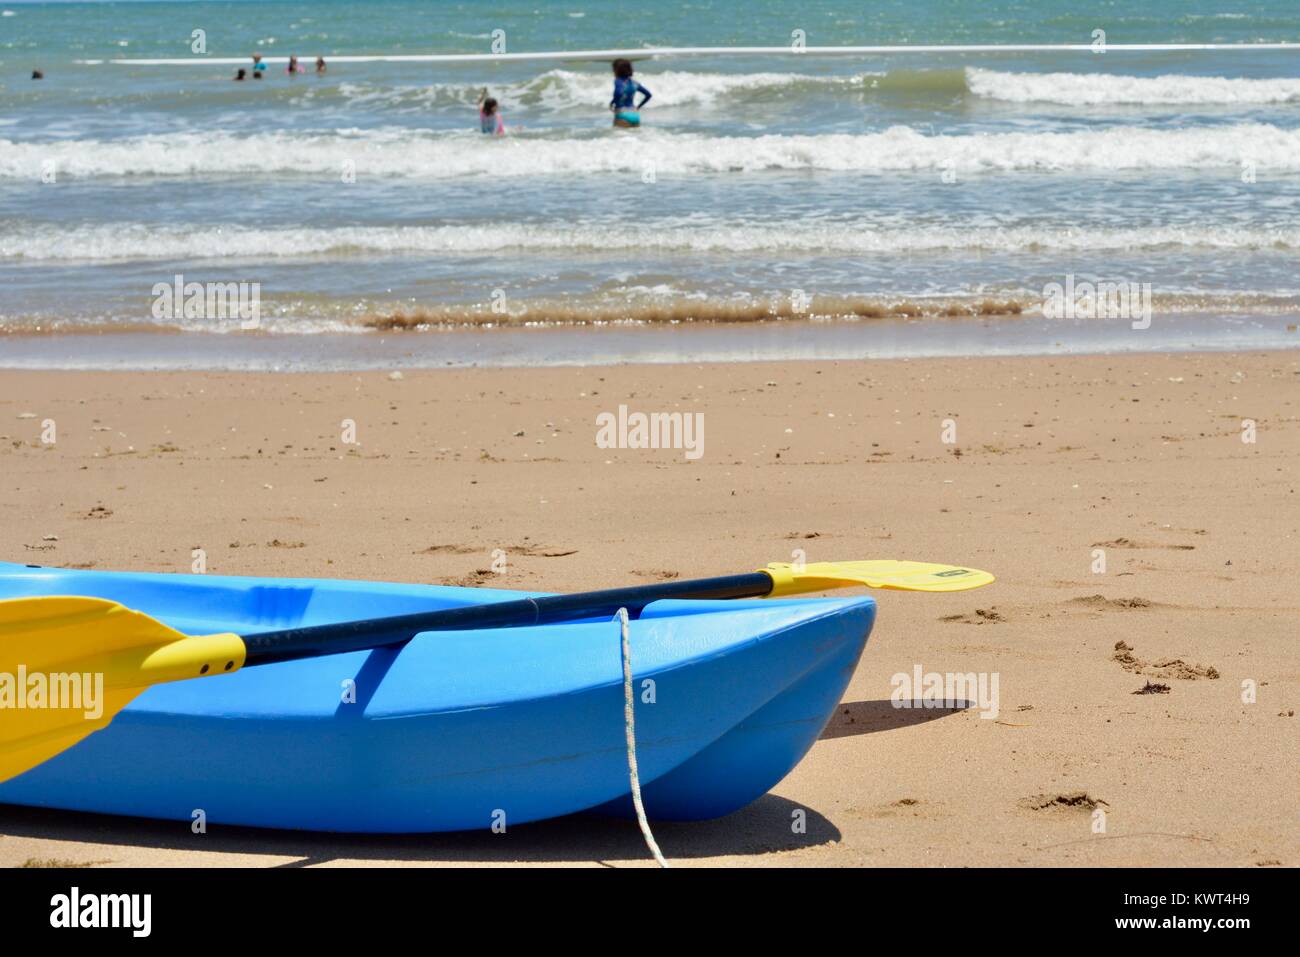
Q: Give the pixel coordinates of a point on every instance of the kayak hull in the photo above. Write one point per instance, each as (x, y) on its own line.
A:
(455, 730)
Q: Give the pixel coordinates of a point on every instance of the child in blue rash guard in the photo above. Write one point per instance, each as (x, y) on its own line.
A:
(625, 91)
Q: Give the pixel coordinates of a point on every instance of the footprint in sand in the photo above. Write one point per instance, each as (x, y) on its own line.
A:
(982, 616)
(1101, 601)
(1129, 543)
(539, 551)
(475, 580)
(1167, 668)
(659, 574)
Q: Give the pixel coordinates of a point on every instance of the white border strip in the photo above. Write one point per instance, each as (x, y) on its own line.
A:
(654, 52)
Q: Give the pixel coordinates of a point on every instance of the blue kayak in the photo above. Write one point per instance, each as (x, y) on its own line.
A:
(456, 730)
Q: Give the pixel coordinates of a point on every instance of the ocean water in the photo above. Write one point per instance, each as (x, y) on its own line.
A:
(939, 179)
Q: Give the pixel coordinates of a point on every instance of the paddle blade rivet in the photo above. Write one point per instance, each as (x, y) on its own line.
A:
(203, 670)
(229, 665)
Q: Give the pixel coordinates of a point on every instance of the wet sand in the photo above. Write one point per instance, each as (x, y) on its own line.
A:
(149, 349)
(1055, 458)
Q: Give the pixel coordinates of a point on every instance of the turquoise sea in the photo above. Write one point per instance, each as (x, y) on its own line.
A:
(875, 179)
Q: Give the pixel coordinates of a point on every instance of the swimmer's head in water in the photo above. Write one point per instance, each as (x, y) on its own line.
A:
(490, 106)
(622, 68)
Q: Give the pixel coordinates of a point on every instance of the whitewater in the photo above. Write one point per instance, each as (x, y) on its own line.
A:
(430, 155)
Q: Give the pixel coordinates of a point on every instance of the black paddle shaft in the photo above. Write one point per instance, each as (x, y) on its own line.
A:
(315, 640)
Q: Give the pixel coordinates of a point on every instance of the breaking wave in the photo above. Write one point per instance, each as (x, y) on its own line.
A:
(400, 153)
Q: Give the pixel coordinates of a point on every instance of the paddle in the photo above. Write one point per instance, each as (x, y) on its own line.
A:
(56, 640)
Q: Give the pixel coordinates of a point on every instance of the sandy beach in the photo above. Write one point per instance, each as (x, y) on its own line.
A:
(1138, 459)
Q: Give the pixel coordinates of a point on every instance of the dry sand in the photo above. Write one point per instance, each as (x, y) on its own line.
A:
(1141, 456)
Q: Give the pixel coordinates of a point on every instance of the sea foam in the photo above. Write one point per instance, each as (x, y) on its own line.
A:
(400, 153)
(122, 242)
(1104, 89)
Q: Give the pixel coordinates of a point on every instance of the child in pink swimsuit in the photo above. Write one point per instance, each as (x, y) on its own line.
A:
(489, 116)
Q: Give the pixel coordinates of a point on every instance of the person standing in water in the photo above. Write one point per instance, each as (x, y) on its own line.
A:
(625, 90)
(489, 115)
(320, 64)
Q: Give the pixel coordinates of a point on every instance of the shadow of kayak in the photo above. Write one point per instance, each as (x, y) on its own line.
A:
(868, 717)
(763, 827)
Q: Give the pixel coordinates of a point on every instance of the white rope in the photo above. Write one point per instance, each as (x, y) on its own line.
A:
(629, 725)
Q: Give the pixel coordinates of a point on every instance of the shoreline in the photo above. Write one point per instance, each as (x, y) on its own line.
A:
(616, 345)
(1140, 456)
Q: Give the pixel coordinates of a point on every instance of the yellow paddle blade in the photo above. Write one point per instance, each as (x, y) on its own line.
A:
(68, 665)
(788, 579)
